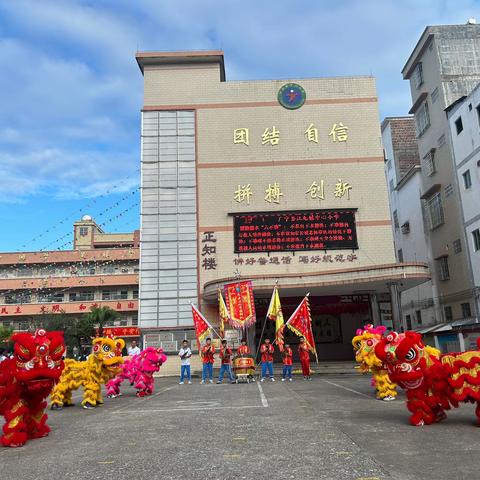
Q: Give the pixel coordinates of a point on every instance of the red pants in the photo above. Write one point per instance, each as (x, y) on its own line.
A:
(305, 367)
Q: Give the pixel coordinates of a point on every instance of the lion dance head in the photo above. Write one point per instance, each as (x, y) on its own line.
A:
(38, 357)
(108, 352)
(364, 346)
(406, 358)
(152, 359)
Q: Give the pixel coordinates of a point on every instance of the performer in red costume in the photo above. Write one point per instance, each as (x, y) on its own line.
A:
(208, 351)
(267, 359)
(243, 349)
(226, 355)
(304, 353)
(26, 380)
(287, 362)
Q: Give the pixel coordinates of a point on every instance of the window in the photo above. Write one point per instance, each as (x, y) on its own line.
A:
(418, 315)
(476, 239)
(81, 296)
(466, 311)
(114, 294)
(444, 270)
(448, 190)
(448, 313)
(408, 319)
(135, 293)
(467, 179)
(457, 246)
(400, 255)
(428, 163)
(435, 95)
(418, 76)
(435, 211)
(459, 125)
(395, 220)
(405, 228)
(50, 297)
(83, 231)
(423, 119)
(23, 297)
(134, 320)
(478, 113)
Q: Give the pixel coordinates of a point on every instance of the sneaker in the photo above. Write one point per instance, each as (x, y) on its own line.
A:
(218, 383)
(180, 383)
(272, 379)
(202, 382)
(309, 379)
(88, 406)
(111, 395)
(262, 379)
(211, 381)
(290, 379)
(388, 398)
(56, 406)
(283, 379)
(189, 382)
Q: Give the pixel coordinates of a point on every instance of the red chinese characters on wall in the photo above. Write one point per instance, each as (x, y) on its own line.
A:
(296, 230)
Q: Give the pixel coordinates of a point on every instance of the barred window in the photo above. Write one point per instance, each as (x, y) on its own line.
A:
(443, 266)
(395, 219)
(435, 211)
(476, 239)
(423, 119)
(428, 163)
(457, 246)
(418, 76)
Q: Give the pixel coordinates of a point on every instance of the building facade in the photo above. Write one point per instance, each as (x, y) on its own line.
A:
(464, 122)
(101, 270)
(444, 65)
(271, 181)
(403, 174)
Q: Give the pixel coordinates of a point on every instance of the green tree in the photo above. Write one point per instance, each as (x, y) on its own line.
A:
(101, 317)
(5, 334)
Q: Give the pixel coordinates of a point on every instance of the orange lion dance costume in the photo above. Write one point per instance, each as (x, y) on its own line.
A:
(434, 382)
(26, 381)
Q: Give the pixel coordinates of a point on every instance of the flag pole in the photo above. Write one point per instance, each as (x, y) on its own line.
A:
(265, 322)
(207, 322)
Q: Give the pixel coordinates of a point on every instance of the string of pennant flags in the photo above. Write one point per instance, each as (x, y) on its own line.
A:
(91, 203)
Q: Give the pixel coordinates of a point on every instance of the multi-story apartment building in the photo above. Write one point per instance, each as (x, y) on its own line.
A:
(464, 121)
(101, 270)
(403, 174)
(444, 66)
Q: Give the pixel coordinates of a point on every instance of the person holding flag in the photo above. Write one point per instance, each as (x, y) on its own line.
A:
(226, 355)
(267, 359)
(300, 323)
(304, 354)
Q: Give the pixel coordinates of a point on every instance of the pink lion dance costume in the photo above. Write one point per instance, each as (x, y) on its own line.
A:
(26, 381)
(138, 370)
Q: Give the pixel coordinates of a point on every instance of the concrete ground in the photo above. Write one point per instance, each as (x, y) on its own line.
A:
(329, 428)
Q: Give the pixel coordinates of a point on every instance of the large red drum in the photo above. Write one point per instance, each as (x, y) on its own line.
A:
(243, 362)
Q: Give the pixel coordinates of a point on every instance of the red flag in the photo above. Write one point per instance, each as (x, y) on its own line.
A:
(240, 304)
(300, 323)
(202, 327)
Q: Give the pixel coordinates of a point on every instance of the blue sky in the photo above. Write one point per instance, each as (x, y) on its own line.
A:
(71, 92)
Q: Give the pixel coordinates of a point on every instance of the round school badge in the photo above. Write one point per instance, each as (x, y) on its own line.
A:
(291, 96)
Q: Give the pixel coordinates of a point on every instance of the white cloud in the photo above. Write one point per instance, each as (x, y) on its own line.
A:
(70, 101)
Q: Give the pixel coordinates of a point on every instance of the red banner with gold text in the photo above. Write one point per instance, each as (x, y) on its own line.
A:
(240, 304)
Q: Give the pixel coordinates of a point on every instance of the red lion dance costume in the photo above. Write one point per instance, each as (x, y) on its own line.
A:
(434, 382)
(26, 381)
(138, 370)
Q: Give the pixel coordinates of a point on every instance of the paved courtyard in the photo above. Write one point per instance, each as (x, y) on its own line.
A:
(329, 428)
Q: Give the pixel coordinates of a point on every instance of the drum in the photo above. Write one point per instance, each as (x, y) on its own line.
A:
(243, 362)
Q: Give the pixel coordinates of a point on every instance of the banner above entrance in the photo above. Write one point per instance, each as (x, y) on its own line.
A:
(295, 230)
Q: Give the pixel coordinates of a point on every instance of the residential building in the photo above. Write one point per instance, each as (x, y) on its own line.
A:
(464, 120)
(444, 66)
(403, 174)
(101, 270)
(273, 181)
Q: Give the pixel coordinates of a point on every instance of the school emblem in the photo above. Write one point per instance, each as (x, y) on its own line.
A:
(291, 96)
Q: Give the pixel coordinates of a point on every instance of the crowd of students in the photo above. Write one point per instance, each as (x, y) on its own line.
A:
(267, 350)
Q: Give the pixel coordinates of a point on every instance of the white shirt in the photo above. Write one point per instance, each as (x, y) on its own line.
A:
(133, 350)
(183, 351)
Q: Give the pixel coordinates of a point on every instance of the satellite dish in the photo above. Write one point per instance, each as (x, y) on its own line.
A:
(86, 218)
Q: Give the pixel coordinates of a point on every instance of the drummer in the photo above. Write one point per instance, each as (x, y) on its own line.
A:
(243, 349)
(226, 356)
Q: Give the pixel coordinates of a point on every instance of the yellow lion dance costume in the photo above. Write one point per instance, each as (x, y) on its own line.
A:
(364, 346)
(100, 367)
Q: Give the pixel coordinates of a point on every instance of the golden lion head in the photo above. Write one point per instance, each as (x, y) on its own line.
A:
(108, 351)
